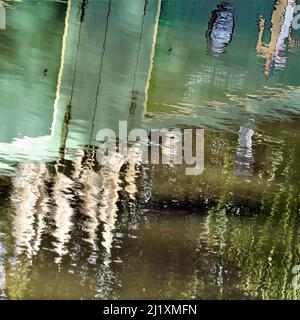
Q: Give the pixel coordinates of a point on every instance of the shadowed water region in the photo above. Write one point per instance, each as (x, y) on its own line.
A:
(72, 228)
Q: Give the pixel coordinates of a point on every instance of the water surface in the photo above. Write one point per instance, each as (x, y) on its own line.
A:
(70, 228)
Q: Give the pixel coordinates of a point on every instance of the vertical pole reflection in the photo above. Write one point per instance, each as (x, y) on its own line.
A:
(101, 69)
(134, 93)
(62, 66)
(68, 112)
(64, 186)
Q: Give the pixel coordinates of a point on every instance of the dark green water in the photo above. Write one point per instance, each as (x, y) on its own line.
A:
(70, 228)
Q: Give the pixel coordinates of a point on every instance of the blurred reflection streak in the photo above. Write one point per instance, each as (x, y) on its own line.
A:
(273, 163)
(134, 158)
(108, 204)
(42, 209)
(2, 270)
(63, 213)
(275, 52)
(90, 195)
(30, 201)
(145, 194)
(220, 28)
(77, 164)
(108, 209)
(244, 153)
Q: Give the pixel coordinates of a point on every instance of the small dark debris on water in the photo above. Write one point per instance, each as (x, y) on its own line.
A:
(45, 72)
(170, 50)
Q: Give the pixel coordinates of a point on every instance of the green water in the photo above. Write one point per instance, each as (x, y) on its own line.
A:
(70, 228)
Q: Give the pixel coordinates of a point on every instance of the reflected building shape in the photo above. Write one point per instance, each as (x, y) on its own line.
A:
(84, 56)
(89, 68)
(220, 28)
(275, 51)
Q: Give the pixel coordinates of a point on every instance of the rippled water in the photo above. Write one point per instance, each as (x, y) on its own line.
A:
(70, 228)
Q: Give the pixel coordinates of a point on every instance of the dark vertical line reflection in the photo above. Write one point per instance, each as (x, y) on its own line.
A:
(101, 68)
(68, 113)
(134, 94)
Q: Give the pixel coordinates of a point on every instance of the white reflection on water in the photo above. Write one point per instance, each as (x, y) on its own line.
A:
(63, 213)
(244, 152)
(134, 159)
(97, 189)
(90, 196)
(108, 205)
(30, 201)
